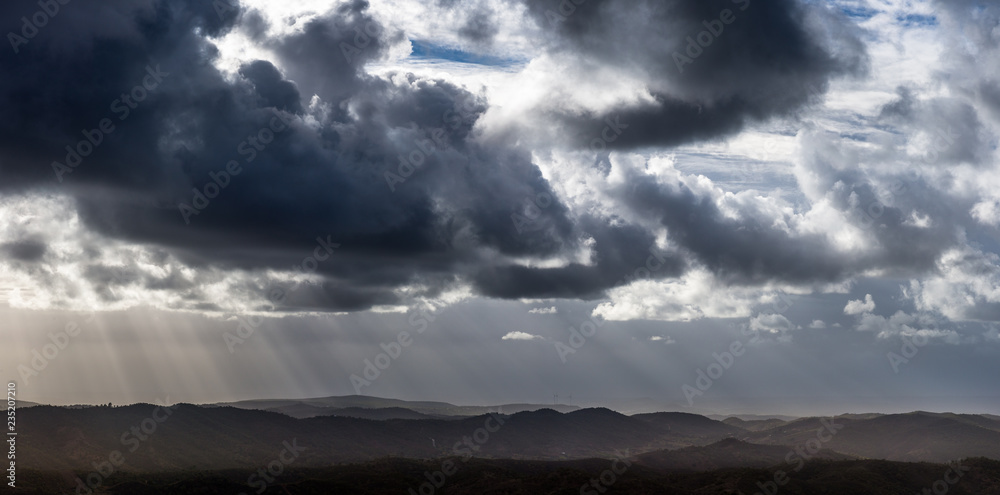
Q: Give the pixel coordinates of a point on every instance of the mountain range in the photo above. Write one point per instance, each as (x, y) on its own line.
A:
(185, 436)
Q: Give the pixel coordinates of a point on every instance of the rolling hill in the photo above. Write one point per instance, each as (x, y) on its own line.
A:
(728, 453)
(917, 436)
(194, 437)
(368, 402)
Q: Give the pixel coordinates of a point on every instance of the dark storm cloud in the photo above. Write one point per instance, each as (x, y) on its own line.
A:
(273, 90)
(989, 91)
(479, 26)
(746, 250)
(621, 253)
(29, 250)
(324, 180)
(910, 221)
(901, 107)
(479, 20)
(70, 74)
(336, 136)
(753, 246)
(757, 59)
(328, 57)
(106, 280)
(952, 126)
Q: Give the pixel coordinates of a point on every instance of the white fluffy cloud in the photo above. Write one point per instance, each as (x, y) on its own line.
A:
(518, 335)
(966, 286)
(59, 264)
(906, 325)
(798, 168)
(771, 323)
(859, 306)
(986, 212)
(544, 311)
(694, 296)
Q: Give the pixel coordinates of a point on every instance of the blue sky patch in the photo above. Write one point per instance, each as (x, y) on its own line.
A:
(857, 12)
(428, 51)
(917, 20)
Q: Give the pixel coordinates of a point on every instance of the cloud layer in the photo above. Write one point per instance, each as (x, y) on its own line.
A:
(428, 186)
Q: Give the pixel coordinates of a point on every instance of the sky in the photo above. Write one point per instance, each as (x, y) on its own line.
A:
(714, 206)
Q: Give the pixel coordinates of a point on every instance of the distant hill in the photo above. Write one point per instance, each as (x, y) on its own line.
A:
(384, 413)
(369, 402)
(752, 417)
(859, 416)
(303, 411)
(985, 421)
(195, 437)
(917, 436)
(754, 425)
(599, 432)
(728, 453)
(692, 429)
